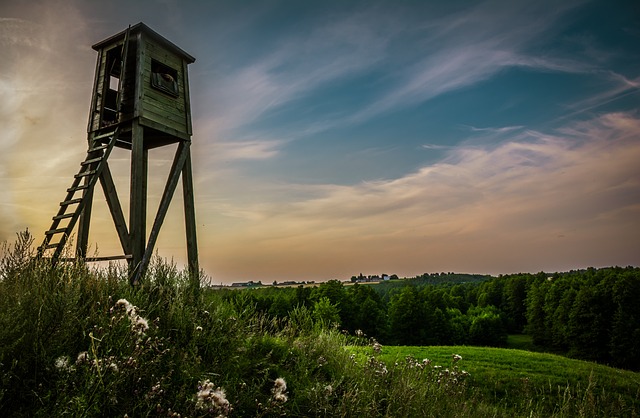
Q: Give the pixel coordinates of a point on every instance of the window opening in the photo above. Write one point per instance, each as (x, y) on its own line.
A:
(164, 78)
(113, 74)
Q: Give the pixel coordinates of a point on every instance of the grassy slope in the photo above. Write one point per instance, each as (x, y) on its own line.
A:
(49, 316)
(504, 374)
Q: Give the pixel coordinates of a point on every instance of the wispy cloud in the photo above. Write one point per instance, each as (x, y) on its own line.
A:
(498, 130)
(470, 47)
(246, 150)
(447, 53)
(618, 88)
(298, 65)
(577, 183)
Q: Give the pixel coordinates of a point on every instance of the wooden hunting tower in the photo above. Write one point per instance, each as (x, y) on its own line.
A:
(140, 101)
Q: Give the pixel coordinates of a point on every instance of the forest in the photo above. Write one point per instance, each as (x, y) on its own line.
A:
(590, 314)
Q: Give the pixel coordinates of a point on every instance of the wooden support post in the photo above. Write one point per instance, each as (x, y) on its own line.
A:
(110, 194)
(190, 218)
(138, 199)
(181, 156)
(82, 242)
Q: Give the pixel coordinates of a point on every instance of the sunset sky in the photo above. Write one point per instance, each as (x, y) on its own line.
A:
(333, 138)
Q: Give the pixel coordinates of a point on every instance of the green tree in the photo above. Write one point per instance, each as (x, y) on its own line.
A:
(406, 317)
(326, 312)
(487, 327)
(624, 345)
(513, 302)
(535, 312)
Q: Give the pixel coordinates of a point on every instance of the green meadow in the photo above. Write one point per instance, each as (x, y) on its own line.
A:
(529, 382)
(80, 342)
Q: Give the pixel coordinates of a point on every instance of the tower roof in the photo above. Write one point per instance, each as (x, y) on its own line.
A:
(142, 28)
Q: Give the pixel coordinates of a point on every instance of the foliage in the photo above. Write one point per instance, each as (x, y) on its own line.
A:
(588, 314)
(76, 341)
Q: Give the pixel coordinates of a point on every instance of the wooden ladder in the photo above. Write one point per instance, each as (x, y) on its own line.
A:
(78, 194)
(100, 146)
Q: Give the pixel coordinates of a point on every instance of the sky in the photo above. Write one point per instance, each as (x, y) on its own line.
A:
(333, 138)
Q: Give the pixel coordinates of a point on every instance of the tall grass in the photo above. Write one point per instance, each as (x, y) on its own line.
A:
(82, 342)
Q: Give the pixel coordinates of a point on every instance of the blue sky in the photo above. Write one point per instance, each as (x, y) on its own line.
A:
(333, 138)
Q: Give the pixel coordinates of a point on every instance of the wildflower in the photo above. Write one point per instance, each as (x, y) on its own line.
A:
(123, 305)
(322, 361)
(456, 358)
(139, 325)
(212, 399)
(279, 390)
(426, 362)
(83, 357)
(199, 328)
(62, 363)
(359, 333)
(328, 390)
(377, 347)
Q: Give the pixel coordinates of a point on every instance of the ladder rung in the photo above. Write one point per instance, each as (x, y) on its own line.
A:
(85, 173)
(65, 216)
(91, 161)
(71, 202)
(98, 148)
(74, 189)
(109, 258)
(55, 231)
(104, 135)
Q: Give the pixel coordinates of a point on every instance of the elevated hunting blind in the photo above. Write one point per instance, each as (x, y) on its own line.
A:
(140, 101)
(155, 90)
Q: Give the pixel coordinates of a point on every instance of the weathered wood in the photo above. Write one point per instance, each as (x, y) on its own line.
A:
(75, 189)
(181, 156)
(71, 202)
(163, 128)
(187, 99)
(149, 117)
(138, 198)
(111, 196)
(85, 173)
(91, 161)
(190, 217)
(109, 258)
(95, 114)
(82, 241)
(83, 207)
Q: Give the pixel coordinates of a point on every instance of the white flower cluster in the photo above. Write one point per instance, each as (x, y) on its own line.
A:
(138, 323)
(62, 364)
(212, 399)
(279, 390)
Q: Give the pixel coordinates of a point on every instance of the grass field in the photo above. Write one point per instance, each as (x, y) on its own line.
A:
(82, 343)
(514, 378)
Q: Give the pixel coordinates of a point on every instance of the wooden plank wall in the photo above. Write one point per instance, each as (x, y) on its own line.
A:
(157, 106)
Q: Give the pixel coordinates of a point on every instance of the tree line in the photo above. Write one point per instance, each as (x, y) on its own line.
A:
(591, 314)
